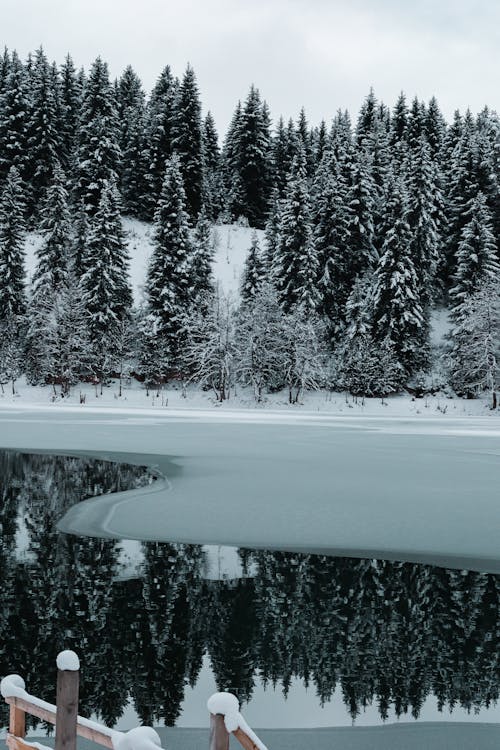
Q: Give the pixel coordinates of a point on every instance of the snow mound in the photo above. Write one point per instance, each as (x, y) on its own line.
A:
(139, 738)
(12, 686)
(227, 705)
(68, 661)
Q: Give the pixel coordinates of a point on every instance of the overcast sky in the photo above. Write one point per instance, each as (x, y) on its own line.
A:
(323, 54)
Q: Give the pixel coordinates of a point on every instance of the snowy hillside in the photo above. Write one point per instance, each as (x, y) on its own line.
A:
(231, 244)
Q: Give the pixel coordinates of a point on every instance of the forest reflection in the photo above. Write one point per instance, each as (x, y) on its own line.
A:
(388, 633)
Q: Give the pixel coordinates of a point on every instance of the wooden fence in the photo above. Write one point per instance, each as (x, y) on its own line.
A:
(69, 726)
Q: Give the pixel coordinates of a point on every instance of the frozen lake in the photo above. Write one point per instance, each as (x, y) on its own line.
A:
(374, 639)
(424, 491)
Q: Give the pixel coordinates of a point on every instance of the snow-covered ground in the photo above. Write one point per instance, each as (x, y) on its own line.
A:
(231, 244)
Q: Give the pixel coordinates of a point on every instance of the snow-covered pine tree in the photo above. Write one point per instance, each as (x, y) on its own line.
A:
(476, 256)
(200, 272)
(397, 310)
(254, 271)
(213, 198)
(12, 233)
(252, 160)
(107, 296)
(81, 229)
(331, 240)
(70, 99)
(168, 283)
(424, 200)
(362, 253)
(188, 140)
(43, 136)
(281, 157)
(160, 123)
(14, 109)
(296, 263)
(271, 233)
(233, 189)
(132, 141)
(53, 255)
(98, 153)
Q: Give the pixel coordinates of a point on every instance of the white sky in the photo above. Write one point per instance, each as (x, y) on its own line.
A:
(324, 54)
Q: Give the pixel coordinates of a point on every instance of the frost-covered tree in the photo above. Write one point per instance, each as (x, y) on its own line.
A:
(367, 367)
(362, 254)
(304, 352)
(254, 270)
(133, 143)
(476, 257)
(208, 344)
(70, 102)
(12, 233)
(474, 360)
(212, 169)
(259, 348)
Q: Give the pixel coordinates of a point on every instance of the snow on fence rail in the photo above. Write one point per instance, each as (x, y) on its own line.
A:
(225, 719)
(65, 715)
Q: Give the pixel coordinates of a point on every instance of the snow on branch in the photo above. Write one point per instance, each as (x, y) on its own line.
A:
(228, 706)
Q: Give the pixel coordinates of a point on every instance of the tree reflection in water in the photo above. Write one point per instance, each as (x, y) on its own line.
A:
(386, 632)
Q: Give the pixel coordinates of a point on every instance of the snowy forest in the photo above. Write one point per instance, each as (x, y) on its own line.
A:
(386, 633)
(369, 225)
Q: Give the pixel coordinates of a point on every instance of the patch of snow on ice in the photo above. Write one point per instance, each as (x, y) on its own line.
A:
(68, 661)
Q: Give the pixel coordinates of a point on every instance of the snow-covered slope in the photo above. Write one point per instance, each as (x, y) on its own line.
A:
(231, 244)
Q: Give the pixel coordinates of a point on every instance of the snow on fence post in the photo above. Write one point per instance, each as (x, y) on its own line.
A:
(225, 719)
(68, 677)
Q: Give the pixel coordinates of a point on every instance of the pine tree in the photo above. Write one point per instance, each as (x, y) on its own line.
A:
(132, 142)
(212, 180)
(296, 268)
(397, 310)
(254, 272)
(12, 231)
(71, 98)
(188, 140)
(160, 124)
(202, 258)
(361, 216)
(476, 258)
(168, 284)
(331, 240)
(252, 160)
(106, 291)
(43, 137)
(53, 255)
(14, 109)
(98, 152)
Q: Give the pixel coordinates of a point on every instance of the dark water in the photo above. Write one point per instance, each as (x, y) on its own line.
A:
(389, 634)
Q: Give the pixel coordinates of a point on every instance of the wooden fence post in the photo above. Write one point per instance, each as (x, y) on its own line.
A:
(17, 721)
(219, 737)
(68, 677)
